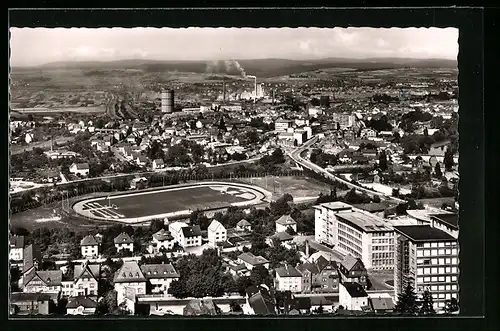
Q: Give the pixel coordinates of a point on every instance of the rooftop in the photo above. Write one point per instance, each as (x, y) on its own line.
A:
(159, 271)
(89, 241)
(191, 231)
(286, 220)
(421, 233)
(129, 272)
(163, 235)
(215, 225)
(81, 302)
(288, 271)
(123, 238)
(449, 219)
(364, 222)
(252, 259)
(355, 290)
(337, 205)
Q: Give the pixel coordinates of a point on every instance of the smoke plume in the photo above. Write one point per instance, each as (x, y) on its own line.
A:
(229, 67)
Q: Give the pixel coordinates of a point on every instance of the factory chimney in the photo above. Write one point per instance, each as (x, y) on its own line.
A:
(273, 97)
(307, 248)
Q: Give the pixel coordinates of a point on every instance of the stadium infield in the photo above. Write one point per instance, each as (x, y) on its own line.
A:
(136, 207)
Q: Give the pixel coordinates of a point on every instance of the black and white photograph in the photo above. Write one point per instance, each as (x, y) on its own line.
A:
(233, 172)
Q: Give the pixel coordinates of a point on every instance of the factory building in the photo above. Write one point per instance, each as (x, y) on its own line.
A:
(167, 101)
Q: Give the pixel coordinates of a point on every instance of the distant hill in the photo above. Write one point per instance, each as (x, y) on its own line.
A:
(258, 67)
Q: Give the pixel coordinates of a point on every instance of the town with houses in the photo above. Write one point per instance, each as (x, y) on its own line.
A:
(231, 231)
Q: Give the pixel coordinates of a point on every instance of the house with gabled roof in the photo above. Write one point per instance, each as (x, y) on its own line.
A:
(352, 269)
(260, 301)
(352, 296)
(190, 236)
(89, 246)
(81, 169)
(162, 240)
(160, 276)
(243, 225)
(47, 281)
(16, 244)
(84, 282)
(320, 276)
(288, 279)
(251, 261)
(124, 241)
(284, 222)
(81, 306)
(217, 233)
(158, 164)
(129, 276)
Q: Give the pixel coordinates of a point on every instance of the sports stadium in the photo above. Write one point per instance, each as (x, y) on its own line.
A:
(175, 201)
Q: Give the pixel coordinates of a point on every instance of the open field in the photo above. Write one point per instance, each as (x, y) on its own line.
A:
(298, 187)
(18, 149)
(140, 206)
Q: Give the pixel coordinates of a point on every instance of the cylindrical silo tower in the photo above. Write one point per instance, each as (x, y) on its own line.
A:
(167, 101)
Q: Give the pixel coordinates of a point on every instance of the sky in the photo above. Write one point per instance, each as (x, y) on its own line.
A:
(35, 46)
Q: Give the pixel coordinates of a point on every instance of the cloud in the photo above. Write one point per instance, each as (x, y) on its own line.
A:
(42, 45)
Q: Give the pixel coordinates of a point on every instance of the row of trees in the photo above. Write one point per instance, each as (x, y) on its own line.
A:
(409, 304)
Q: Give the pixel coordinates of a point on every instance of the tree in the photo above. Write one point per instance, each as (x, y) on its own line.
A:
(407, 302)
(320, 309)
(290, 231)
(260, 275)
(178, 289)
(448, 160)
(156, 225)
(427, 304)
(382, 161)
(451, 306)
(437, 171)
(235, 307)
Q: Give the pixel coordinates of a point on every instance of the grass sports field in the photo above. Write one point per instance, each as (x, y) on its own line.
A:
(167, 201)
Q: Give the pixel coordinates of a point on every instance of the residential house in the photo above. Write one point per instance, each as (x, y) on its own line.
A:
(141, 160)
(238, 270)
(162, 240)
(80, 169)
(32, 258)
(284, 239)
(81, 306)
(321, 276)
(251, 261)
(190, 236)
(368, 133)
(260, 301)
(158, 164)
(216, 233)
(29, 303)
(85, 280)
(16, 248)
(284, 222)
(198, 307)
(175, 230)
(327, 303)
(129, 276)
(243, 225)
(160, 276)
(352, 269)
(288, 279)
(381, 303)
(29, 138)
(123, 241)
(47, 281)
(352, 296)
(89, 246)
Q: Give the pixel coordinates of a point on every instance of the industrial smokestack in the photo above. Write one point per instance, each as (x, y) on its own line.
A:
(167, 101)
(273, 97)
(255, 88)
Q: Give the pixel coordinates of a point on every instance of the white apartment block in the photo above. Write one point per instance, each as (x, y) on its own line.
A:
(355, 232)
(288, 279)
(427, 258)
(216, 233)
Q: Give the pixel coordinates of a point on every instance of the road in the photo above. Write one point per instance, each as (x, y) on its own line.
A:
(295, 156)
(17, 149)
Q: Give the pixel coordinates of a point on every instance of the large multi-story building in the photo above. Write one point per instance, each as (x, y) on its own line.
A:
(344, 120)
(129, 277)
(352, 231)
(427, 258)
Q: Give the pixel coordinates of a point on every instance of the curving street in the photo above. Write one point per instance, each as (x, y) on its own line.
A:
(295, 156)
